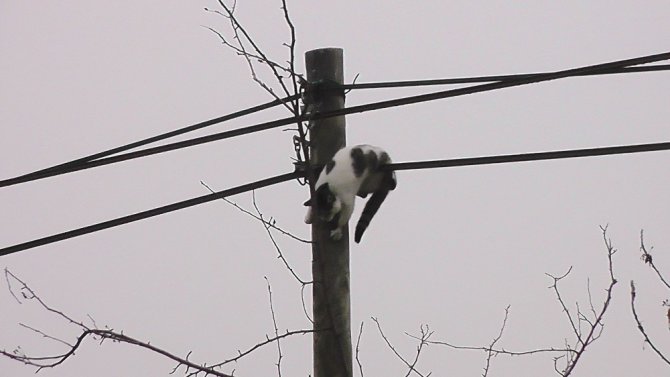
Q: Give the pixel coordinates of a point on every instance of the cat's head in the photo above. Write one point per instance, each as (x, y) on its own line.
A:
(327, 203)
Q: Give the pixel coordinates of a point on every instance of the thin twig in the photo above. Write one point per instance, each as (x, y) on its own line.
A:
(646, 257)
(45, 335)
(304, 306)
(554, 286)
(497, 351)
(261, 344)
(425, 334)
(570, 354)
(490, 354)
(597, 325)
(261, 56)
(272, 224)
(388, 343)
(358, 342)
(640, 327)
(274, 323)
(53, 361)
(192, 369)
(279, 252)
(28, 294)
(492, 351)
(295, 78)
(9, 286)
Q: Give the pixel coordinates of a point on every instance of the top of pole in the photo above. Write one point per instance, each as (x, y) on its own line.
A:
(325, 64)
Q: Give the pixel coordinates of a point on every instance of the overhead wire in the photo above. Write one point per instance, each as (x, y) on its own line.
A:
(80, 163)
(151, 151)
(485, 160)
(478, 79)
(534, 156)
(511, 82)
(148, 213)
(398, 166)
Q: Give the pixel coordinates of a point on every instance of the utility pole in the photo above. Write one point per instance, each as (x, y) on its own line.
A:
(330, 259)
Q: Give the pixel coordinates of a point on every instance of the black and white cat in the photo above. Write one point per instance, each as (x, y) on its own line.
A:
(352, 171)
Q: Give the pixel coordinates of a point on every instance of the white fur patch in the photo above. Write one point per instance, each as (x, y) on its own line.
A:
(345, 185)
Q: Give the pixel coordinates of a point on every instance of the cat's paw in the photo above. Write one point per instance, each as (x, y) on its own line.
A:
(336, 234)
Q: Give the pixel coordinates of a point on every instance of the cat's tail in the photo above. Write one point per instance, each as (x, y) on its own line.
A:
(369, 211)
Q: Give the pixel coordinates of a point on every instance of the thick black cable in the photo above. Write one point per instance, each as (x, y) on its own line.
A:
(71, 165)
(478, 79)
(471, 161)
(149, 213)
(593, 69)
(535, 156)
(156, 150)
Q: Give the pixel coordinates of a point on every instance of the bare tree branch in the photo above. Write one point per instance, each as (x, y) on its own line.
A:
(583, 338)
(297, 81)
(358, 342)
(491, 351)
(239, 32)
(53, 361)
(640, 327)
(258, 56)
(646, 257)
(304, 306)
(423, 340)
(496, 351)
(42, 362)
(596, 325)
(279, 252)
(271, 224)
(554, 286)
(45, 335)
(274, 323)
(28, 294)
(425, 334)
(493, 343)
(261, 344)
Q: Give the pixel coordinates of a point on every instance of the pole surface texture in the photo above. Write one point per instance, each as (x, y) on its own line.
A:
(330, 259)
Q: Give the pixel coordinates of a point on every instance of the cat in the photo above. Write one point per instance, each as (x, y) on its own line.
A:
(352, 171)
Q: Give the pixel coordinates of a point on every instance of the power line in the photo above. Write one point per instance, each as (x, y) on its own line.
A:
(79, 163)
(476, 79)
(581, 71)
(471, 161)
(152, 151)
(533, 78)
(535, 156)
(148, 213)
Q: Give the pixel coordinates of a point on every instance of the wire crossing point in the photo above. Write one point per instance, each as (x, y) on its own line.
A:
(506, 82)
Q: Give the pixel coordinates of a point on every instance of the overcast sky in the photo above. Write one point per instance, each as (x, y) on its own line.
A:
(450, 248)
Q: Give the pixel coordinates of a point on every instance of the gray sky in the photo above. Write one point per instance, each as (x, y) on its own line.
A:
(450, 248)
